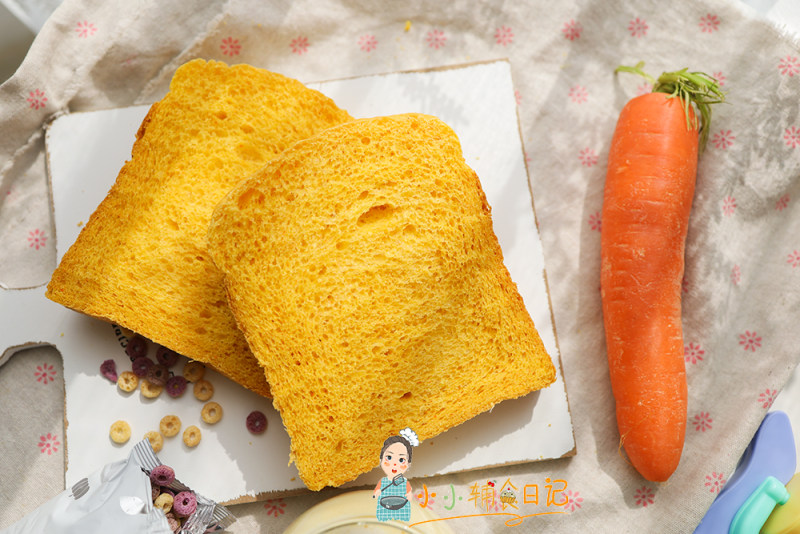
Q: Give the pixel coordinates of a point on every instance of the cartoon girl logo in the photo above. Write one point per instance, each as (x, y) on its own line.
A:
(394, 491)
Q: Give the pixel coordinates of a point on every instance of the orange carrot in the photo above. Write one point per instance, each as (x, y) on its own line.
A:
(650, 180)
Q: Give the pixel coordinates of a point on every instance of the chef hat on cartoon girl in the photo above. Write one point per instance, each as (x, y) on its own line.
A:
(407, 437)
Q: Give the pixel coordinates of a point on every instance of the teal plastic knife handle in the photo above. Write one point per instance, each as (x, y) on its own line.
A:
(758, 506)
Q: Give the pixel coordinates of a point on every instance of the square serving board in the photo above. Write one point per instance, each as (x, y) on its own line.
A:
(85, 153)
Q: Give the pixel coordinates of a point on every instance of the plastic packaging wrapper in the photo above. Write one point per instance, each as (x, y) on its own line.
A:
(119, 498)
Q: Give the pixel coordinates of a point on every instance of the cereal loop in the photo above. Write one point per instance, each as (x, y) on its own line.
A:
(150, 390)
(141, 365)
(120, 432)
(191, 436)
(156, 440)
(127, 381)
(194, 371)
(166, 357)
(174, 524)
(136, 347)
(203, 390)
(176, 386)
(185, 504)
(162, 475)
(211, 413)
(170, 425)
(256, 422)
(164, 501)
(158, 374)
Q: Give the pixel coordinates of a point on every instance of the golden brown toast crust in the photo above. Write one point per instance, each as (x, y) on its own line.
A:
(141, 260)
(364, 270)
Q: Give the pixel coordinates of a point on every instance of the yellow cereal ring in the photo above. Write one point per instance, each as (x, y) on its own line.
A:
(156, 440)
(194, 371)
(170, 425)
(150, 390)
(164, 501)
(211, 413)
(127, 381)
(203, 390)
(120, 432)
(191, 436)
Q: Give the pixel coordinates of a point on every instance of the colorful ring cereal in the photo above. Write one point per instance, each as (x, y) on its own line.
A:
(172, 521)
(164, 501)
(203, 390)
(162, 475)
(120, 432)
(194, 371)
(211, 413)
(150, 390)
(176, 386)
(156, 440)
(141, 365)
(170, 425)
(256, 422)
(191, 436)
(127, 381)
(166, 357)
(185, 504)
(136, 347)
(158, 374)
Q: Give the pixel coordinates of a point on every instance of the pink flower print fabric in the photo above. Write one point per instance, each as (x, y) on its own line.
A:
(37, 99)
(562, 57)
(49, 444)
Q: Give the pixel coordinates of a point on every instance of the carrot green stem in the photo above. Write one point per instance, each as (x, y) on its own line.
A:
(696, 88)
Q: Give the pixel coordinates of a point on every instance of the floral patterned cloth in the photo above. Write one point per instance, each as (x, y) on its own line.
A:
(742, 282)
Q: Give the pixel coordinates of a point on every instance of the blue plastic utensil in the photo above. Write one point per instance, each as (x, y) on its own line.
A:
(771, 453)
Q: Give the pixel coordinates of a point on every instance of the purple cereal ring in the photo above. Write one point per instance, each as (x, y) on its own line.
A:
(141, 365)
(185, 504)
(176, 386)
(156, 491)
(166, 357)
(157, 374)
(256, 422)
(109, 370)
(162, 475)
(136, 347)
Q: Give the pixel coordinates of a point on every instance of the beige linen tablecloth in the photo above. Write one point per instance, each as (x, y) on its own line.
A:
(742, 282)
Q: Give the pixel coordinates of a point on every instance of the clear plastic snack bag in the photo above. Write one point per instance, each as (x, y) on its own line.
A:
(121, 498)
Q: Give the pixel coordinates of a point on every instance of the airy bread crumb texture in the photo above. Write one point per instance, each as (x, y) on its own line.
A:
(363, 268)
(141, 260)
